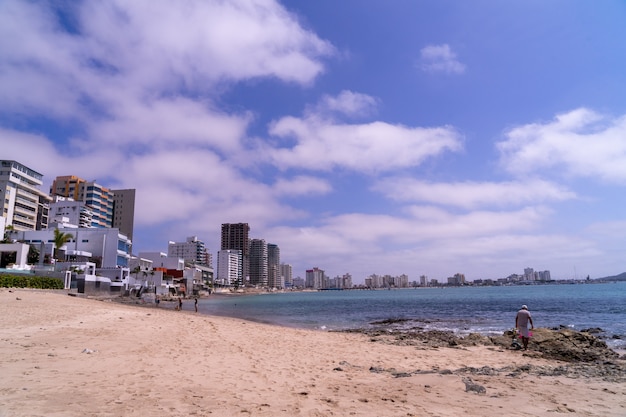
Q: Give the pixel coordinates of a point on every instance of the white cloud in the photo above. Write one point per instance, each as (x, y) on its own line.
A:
(580, 143)
(322, 144)
(138, 81)
(348, 103)
(204, 41)
(435, 242)
(170, 122)
(302, 185)
(146, 49)
(470, 195)
(440, 58)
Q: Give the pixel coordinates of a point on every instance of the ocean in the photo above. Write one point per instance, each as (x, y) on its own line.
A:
(463, 310)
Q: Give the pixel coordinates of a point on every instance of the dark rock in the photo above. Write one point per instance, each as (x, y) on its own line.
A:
(593, 330)
(389, 321)
(470, 386)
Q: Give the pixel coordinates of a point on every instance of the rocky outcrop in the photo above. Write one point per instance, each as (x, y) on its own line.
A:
(561, 344)
(566, 345)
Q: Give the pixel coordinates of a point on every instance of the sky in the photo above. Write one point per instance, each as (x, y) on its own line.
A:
(361, 136)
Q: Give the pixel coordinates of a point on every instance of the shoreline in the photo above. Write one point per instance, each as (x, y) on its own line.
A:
(389, 326)
(57, 351)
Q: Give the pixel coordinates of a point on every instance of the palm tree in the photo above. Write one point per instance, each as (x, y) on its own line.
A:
(7, 233)
(60, 239)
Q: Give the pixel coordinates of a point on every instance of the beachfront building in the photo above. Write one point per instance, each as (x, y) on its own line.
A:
(457, 279)
(124, 211)
(341, 282)
(193, 251)
(188, 278)
(23, 205)
(299, 282)
(258, 263)
(401, 281)
(237, 236)
(286, 271)
(544, 275)
(66, 210)
(229, 268)
(163, 261)
(374, 281)
(97, 197)
(107, 248)
(529, 274)
(315, 278)
(274, 277)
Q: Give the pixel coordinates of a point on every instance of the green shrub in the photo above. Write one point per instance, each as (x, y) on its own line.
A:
(30, 281)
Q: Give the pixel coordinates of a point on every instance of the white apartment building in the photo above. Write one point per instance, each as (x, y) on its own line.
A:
(229, 267)
(423, 280)
(76, 212)
(315, 278)
(98, 198)
(163, 260)
(193, 251)
(23, 204)
(104, 246)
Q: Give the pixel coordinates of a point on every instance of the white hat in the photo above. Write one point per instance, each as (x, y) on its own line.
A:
(524, 307)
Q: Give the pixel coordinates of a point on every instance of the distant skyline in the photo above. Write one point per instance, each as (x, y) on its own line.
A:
(362, 137)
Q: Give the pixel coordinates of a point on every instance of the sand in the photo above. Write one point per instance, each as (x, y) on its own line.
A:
(71, 356)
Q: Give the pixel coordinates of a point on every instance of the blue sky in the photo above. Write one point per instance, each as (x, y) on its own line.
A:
(387, 137)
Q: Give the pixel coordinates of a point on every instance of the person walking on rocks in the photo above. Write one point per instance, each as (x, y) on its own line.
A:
(521, 324)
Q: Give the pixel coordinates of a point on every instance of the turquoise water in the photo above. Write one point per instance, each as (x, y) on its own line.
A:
(485, 310)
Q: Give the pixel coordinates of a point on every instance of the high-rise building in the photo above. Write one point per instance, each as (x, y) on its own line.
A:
(229, 268)
(23, 204)
(193, 251)
(274, 276)
(236, 236)
(67, 186)
(97, 197)
(258, 263)
(529, 274)
(286, 270)
(423, 280)
(315, 278)
(124, 211)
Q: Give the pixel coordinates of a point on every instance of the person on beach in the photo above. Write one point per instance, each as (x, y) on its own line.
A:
(521, 324)
(195, 304)
(180, 303)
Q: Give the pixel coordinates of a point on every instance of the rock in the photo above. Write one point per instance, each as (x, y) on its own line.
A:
(470, 386)
(593, 330)
(562, 344)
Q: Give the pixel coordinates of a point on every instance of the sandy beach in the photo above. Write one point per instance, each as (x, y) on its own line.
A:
(71, 356)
